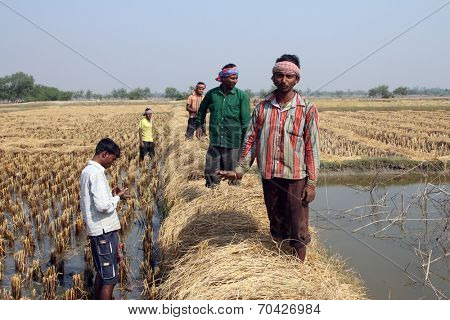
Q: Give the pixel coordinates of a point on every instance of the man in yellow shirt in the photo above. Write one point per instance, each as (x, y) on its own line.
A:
(146, 144)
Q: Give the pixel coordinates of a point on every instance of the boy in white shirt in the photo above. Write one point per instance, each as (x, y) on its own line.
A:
(98, 204)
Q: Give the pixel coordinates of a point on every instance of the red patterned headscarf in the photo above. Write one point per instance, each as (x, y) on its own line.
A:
(226, 73)
(286, 67)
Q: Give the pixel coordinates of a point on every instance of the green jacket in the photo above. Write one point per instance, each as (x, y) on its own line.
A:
(229, 116)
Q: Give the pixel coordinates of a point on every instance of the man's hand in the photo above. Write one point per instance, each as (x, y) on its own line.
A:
(229, 175)
(308, 194)
(121, 192)
(199, 133)
(141, 144)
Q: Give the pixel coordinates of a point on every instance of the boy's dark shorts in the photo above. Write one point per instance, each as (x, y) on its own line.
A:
(148, 148)
(105, 255)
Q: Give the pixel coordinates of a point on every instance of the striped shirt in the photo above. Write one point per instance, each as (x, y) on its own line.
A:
(194, 101)
(285, 140)
(97, 202)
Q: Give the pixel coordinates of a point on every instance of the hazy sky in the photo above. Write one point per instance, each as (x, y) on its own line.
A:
(177, 43)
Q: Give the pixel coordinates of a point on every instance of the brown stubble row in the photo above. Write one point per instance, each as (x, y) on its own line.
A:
(398, 129)
(395, 105)
(385, 134)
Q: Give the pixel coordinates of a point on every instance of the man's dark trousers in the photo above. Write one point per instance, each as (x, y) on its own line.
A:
(219, 158)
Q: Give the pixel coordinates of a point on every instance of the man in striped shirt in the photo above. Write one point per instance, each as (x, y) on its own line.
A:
(283, 135)
(192, 105)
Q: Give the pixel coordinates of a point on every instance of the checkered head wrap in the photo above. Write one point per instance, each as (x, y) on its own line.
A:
(286, 67)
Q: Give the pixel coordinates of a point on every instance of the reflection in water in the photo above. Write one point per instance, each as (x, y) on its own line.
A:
(406, 227)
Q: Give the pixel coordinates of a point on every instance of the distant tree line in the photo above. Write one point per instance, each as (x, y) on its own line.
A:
(115, 94)
(20, 87)
(384, 93)
(381, 91)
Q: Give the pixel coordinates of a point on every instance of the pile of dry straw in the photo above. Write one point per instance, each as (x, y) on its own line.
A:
(215, 244)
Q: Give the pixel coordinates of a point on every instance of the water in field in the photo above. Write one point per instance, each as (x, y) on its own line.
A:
(395, 237)
(73, 258)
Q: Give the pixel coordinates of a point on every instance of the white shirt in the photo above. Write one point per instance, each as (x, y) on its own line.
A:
(96, 200)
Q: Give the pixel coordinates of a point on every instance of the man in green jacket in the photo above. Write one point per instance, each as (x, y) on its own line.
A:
(229, 109)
